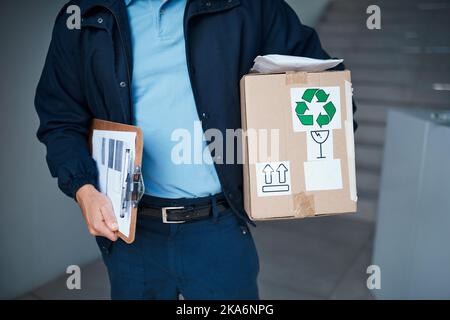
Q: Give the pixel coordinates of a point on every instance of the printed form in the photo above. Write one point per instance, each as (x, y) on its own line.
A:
(114, 153)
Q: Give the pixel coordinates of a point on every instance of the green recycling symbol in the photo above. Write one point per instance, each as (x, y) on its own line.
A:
(321, 96)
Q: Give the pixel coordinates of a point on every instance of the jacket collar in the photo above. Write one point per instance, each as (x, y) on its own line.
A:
(198, 6)
(87, 5)
(210, 6)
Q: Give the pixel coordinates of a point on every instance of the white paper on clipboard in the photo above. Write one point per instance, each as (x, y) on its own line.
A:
(114, 153)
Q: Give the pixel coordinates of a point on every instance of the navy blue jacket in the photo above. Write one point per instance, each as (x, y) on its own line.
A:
(88, 71)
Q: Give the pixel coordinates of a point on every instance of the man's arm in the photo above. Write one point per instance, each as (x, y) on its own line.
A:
(283, 33)
(64, 128)
(63, 113)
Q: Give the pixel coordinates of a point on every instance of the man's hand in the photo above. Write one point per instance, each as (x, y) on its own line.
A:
(98, 212)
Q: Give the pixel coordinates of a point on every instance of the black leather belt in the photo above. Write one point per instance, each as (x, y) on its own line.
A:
(181, 211)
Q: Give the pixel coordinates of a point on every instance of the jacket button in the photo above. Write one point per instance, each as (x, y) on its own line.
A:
(123, 84)
(208, 4)
(100, 20)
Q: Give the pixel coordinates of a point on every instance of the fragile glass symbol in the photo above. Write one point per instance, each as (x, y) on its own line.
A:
(272, 186)
(320, 137)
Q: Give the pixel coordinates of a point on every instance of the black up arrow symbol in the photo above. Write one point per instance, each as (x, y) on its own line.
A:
(268, 170)
(282, 170)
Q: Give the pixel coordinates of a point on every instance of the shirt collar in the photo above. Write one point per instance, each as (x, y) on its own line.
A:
(127, 2)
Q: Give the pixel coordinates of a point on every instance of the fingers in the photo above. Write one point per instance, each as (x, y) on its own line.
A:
(98, 227)
(109, 217)
(104, 231)
(100, 218)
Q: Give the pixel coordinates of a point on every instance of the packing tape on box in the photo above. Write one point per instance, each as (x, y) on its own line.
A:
(296, 77)
(350, 142)
(304, 205)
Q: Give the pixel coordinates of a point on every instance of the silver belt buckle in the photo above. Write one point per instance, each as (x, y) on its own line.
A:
(164, 215)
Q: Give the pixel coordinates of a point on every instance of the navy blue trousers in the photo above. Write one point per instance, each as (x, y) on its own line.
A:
(203, 260)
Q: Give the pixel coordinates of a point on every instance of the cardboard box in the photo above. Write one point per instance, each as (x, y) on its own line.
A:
(298, 145)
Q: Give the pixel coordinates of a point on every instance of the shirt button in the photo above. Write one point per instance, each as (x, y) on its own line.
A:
(123, 84)
(100, 20)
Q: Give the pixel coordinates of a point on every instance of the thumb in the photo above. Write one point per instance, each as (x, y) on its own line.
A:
(109, 217)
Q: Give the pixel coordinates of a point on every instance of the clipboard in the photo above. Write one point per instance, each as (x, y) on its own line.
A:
(133, 188)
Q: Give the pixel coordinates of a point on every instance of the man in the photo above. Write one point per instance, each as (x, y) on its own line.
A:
(164, 65)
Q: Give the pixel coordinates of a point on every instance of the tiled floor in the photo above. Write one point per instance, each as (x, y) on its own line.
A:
(94, 286)
(323, 258)
(395, 67)
(312, 258)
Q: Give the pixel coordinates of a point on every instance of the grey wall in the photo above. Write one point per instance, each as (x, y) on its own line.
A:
(309, 11)
(411, 243)
(41, 231)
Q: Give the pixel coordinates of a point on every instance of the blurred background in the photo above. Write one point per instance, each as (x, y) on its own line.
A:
(401, 78)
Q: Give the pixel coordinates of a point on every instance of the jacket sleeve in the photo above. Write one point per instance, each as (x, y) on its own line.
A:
(63, 113)
(283, 33)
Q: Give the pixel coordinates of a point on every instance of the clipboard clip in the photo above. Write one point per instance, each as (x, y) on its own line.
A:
(135, 187)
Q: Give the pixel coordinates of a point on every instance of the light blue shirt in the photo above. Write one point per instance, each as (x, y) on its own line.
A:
(163, 103)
